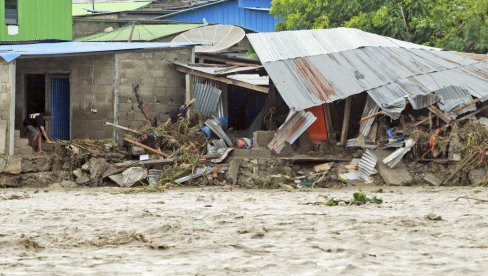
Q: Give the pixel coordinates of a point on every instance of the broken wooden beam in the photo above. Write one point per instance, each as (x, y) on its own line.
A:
(345, 122)
(370, 116)
(463, 106)
(148, 148)
(474, 113)
(257, 88)
(122, 128)
(328, 122)
(210, 157)
(440, 114)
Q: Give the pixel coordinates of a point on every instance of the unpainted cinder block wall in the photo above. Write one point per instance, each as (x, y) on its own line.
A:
(93, 85)
(161, 87)
(83, 27)
(87, 98)
(92, 82)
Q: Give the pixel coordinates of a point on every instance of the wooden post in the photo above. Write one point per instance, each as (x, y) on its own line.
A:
(345, 122)
(328, 122)
(188, 87)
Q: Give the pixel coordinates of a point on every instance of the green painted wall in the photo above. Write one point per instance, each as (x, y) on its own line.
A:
(40, 19)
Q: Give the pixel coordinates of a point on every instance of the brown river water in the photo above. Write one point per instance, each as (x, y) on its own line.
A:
(224, 232)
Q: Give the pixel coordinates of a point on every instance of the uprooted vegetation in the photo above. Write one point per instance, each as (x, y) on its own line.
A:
(358, 198)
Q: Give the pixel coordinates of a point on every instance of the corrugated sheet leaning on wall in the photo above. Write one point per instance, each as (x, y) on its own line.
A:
(291, 130)
(208, 97)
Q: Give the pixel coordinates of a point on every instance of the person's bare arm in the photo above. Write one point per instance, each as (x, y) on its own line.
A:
(44, 134)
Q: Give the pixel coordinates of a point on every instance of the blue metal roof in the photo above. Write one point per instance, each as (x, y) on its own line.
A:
(12, 52)
(228, 12)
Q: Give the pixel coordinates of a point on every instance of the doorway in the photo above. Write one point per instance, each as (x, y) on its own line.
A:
(60, 108)
(35, 93)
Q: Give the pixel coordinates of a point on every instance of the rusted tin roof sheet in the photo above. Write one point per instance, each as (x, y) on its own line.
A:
(305, 43)
(291, 130)
(387, 74)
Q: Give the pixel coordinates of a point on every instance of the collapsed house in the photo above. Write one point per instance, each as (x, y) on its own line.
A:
(359, 78)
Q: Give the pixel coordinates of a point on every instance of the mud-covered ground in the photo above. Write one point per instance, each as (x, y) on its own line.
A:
(219, 232)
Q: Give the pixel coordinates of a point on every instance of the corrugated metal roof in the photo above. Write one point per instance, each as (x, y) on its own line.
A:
(12, 52)
(83, 9)
(227, 12)
(254, 79)
(366, 166)
(386, 73)
(417, 87)
(394, 158)
(218, 71)
(305, 43)
(453, 97)
(147, 32)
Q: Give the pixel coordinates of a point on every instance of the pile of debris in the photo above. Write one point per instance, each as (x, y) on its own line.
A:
(187, 146)
(424, 146)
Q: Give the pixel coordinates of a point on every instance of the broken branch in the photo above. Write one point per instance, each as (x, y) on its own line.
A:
(155, 151)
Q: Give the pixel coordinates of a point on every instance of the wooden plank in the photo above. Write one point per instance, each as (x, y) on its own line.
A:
(470, 115)
(210, 156)
(345, 122)
(223, 70)
(323, 158)
(328, 122)
(463, 106)
(122, 128)
(439, 114)
(370, 116)
(257, 88)
(230, 61)
(155, 151)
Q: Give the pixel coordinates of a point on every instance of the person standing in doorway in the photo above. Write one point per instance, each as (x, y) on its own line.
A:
(34, 126)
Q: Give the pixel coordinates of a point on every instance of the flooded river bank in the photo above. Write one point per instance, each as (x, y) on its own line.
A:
(219, 232)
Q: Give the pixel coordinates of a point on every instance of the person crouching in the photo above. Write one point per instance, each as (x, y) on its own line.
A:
(34, 126)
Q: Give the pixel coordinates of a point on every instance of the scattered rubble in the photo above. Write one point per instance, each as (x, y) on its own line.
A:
(420, 147)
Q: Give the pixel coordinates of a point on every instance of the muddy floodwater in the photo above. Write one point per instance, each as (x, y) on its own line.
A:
(222, 232)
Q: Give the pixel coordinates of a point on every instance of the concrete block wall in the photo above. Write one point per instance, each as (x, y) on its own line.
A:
(85, 122)
(82, 28)
(161, 87)
(84, 98)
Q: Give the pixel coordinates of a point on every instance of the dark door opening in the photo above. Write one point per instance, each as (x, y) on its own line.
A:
(60, 108)
(35, 93)
(244, 106)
